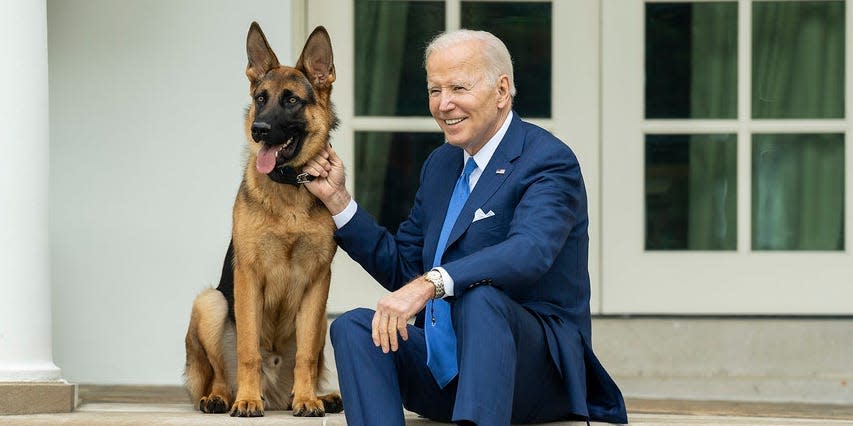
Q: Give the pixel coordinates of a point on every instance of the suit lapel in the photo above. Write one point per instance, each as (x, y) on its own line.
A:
(489, 182)
(451, 168)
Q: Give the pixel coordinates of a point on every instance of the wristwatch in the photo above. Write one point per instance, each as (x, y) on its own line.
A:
(434, 277)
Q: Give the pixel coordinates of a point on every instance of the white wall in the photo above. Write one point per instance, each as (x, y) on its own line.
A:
(146, 107)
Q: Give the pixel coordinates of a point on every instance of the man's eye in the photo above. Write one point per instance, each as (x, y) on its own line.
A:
(459, 88)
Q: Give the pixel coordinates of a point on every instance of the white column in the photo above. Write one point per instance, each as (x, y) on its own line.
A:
(25, 321)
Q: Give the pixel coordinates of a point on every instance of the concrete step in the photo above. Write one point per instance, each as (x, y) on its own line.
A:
(743, 359)
(641, 412)
(183, 414)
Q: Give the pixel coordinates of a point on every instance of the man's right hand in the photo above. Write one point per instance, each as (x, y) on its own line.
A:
(394, 310)
(330, 183)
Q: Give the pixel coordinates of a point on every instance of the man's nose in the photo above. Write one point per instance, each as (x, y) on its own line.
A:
(446, 101)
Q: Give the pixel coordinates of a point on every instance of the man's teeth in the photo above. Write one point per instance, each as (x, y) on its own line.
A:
(454, 121)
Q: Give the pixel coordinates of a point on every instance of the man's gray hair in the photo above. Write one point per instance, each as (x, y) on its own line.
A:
(496, 55)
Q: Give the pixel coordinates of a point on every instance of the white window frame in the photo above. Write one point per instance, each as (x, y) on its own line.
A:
(703, 282)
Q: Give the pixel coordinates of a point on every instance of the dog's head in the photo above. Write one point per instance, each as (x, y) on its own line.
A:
(291, 115)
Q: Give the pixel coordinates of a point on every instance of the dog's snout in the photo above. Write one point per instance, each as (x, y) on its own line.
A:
(260, 130)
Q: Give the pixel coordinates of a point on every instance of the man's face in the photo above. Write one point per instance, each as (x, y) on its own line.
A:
(463, 102)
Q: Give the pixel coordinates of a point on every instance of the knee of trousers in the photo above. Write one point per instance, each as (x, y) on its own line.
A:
(482, 302)
(352, 323)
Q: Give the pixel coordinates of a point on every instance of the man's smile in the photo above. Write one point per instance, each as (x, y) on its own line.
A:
(453, 121)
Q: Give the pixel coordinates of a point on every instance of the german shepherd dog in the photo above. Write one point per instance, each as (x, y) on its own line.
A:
(260, 334)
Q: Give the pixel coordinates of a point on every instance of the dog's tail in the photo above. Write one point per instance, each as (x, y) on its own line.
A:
(197, 371)
(206, 328)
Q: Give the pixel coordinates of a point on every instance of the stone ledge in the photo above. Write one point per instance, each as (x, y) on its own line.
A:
(803, 390)
(37, 397)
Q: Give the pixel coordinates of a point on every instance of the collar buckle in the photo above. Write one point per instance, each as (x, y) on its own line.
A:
(303, 178)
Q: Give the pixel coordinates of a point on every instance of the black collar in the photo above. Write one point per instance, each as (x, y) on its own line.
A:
(290, 176)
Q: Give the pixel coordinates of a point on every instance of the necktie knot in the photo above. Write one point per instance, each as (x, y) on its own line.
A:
(470, 166)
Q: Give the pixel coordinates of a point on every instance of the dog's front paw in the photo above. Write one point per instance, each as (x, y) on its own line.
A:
(308, 408)
(213, 404)
(247, 408)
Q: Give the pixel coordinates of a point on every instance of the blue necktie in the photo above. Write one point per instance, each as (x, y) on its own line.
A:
(440, 337)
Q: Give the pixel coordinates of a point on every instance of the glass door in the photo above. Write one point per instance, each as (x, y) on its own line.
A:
(724, 128)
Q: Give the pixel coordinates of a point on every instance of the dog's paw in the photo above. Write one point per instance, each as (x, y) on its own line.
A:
(213, 404)
(247, 408)
(308, 408)
(332, 403)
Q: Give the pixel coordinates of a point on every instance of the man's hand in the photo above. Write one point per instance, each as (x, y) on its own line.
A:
(330, 183)
(394, 310)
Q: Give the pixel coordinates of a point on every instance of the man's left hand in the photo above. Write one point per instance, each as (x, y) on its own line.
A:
(394, 311)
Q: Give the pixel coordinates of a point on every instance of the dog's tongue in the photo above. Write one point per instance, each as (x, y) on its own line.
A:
(266, 159)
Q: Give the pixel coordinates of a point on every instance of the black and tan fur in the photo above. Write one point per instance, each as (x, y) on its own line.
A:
(256, 342)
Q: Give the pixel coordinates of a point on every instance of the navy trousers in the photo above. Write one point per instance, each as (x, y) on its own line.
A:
(505, 372)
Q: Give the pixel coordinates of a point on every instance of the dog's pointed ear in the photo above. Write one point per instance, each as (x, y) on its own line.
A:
(261, 56)
(316, 59)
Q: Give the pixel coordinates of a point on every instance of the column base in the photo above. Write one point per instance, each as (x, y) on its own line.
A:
(37, 397)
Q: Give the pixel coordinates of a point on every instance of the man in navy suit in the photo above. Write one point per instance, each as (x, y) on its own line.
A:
(513, 267)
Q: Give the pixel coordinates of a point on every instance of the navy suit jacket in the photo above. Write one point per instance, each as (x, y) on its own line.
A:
(534, 248)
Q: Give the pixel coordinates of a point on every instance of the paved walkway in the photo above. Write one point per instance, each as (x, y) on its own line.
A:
(153, 405)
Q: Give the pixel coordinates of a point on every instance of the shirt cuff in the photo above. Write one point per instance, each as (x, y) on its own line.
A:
(342, 218)
(448, 282)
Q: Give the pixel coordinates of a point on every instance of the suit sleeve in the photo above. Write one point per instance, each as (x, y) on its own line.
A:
(551, 204)
(392, 260)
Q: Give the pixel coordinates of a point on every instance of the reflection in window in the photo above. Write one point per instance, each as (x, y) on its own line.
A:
(798, 192)
(691, 60)
(387, 172)
(390, 37)
(798, 59)
(691, 192)
(525, 28)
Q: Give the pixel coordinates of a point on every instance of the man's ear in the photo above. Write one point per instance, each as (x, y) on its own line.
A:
(316, 60)
(261, 56)
(502, 89)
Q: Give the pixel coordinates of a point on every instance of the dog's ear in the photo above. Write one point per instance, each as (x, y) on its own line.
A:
(316, 59)
(261, 56)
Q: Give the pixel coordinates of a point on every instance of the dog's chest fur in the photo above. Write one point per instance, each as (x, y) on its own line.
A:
(287, 240)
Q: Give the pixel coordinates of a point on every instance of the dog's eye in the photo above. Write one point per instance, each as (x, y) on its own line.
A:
(292, 100)
(260, 99)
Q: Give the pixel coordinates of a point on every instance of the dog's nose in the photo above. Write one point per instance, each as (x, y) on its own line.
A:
(260, 130)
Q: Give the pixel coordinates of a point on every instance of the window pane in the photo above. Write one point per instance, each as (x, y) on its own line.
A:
(525, 28)
(387, 172)
(798, 59)
(798, 192)
(691, 60)
(390, 37)
(691, 192)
